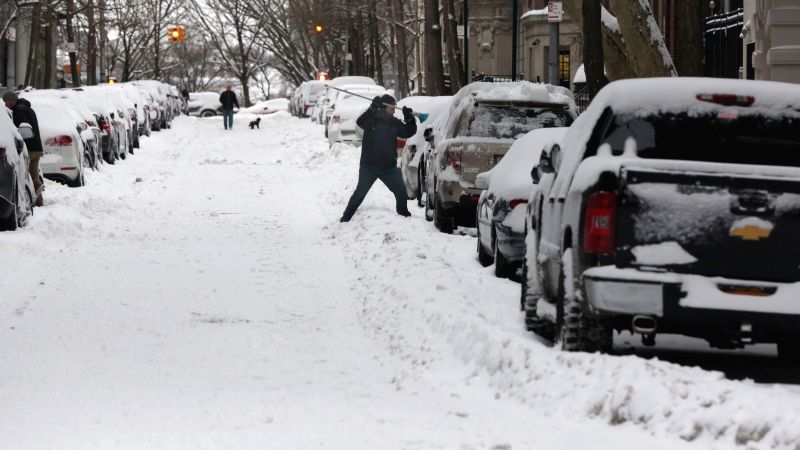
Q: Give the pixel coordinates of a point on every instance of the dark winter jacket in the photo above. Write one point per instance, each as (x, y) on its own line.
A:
(22, 113)
(228, 100)
(379, 146)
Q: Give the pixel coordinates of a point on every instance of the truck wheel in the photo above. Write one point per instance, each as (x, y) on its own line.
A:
(428, 208)
(502, 269)
(578, 331)
(483, 256)
(789, 350)
(419, 187)
(441, 218)
(529, 297)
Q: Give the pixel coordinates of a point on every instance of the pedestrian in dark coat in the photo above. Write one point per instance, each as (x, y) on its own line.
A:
(379, 153)
(228, 100)
(21, 112)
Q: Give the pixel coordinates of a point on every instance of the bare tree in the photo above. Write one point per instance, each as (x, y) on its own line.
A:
(434, 75)
(592, 46)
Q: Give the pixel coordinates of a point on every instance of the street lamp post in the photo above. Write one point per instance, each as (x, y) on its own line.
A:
(466, 42)
(514, 32)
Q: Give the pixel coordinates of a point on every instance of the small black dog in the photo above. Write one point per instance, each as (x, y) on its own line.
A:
(254, 124)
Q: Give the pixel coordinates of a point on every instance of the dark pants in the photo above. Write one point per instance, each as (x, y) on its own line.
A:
(33, 168)
(227, 117)
(390, 176)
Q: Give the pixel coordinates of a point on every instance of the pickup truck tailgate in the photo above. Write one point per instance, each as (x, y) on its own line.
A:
(734, 226)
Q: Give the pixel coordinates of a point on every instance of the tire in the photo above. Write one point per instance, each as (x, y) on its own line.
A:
(208, 113)
(78, 182)
(12, 222)
(428, 208)
(441, 218)
(123, 155)
(419, 187)
(484, 257)
(789, 350)
(528, 303)
(502, 269)
(578, 331)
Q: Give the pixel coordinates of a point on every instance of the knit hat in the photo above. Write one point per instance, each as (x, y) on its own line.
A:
(10, 96)
(388, 99)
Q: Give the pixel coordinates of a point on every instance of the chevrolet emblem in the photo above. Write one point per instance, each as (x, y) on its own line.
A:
(751, 232)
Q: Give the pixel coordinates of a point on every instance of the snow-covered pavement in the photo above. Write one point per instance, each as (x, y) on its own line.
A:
(202, 295)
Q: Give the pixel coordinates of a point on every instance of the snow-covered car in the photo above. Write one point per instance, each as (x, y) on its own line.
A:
(502, 206)
(267, 107)
(328, 100)
(204, 104)
(17, 193)
(139, 104)
(113, 132)
(413, 148)
(342, 127)
(671, 214)
(163, 108)
(69, 99)
(483, 121)
(120, 115)
(63, 158)
(306, 95)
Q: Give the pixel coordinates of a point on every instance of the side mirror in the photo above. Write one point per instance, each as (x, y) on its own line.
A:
(428, 135)
(482, 180)
(25, 130)
(555, 157)
(545, 164)
(82, 126)
(111, 115)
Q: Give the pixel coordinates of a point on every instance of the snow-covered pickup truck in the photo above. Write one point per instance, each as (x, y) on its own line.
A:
(483, 121)
(671, 206)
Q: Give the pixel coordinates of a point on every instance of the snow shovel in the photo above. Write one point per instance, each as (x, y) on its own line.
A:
(421, 116)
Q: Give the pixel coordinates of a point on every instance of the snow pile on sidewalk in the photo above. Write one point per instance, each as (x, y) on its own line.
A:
(425, 295)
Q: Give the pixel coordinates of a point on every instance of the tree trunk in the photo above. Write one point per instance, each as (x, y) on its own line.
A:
(102, 39)
(617, 60)
(32, 67)
(593, 46)
(49, 57)
(643, 39)
(402, 50)
(451, 42)
(245, 91)
(73, 57)
(434, 73)
(91, 44)
(689, 47)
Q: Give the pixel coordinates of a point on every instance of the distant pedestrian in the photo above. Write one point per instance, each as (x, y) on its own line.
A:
(228, 100)
(21, 112)
(185, 93)
(379, 153)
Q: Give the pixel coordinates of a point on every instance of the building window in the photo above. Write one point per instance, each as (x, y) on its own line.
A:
(564, 68)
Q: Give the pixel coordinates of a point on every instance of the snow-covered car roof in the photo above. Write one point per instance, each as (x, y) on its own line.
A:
(678, 94)
(517, 91)
(511, 177)
(341, 81)
(53, 120)
(433, 106)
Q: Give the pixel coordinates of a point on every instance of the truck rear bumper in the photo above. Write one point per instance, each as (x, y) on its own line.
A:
(696, 305)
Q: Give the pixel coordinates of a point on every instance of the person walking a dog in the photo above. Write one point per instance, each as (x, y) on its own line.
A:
(228, 100)
(379, 153)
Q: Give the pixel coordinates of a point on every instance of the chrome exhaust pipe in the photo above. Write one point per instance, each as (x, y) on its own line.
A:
(644, 324)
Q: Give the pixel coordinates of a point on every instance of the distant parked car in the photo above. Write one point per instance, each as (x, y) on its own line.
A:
(671, 206)
(483, 121)
(328, 100)
(267, 107)
(306, 95)
(502, 206)
(17, 193)
(204, 104)
(413, 149)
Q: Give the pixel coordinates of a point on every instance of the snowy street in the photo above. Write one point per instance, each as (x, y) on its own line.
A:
(202, 294)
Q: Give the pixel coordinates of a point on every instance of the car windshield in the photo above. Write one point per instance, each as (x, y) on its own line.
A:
(509, 121)
(724, 137)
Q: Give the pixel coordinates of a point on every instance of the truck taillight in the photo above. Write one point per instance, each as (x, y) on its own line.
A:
(104, 125)
(600, 223)
(727, 99)
(454, 156)
(59, 141)
(400, 143)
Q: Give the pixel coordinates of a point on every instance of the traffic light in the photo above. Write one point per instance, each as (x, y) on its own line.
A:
(112, 80)
(176, 33)
(318, 28)
(322, 76)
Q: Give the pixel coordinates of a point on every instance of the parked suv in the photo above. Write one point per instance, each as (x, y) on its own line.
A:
(483, 121)
(675, 213)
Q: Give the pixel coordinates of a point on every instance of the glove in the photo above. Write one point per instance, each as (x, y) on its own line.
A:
(408, 113)
(377, 104)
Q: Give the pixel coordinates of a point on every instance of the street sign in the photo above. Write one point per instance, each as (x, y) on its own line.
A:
(70, 47)
(11, 34)
(460, 31)
(555, 12)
